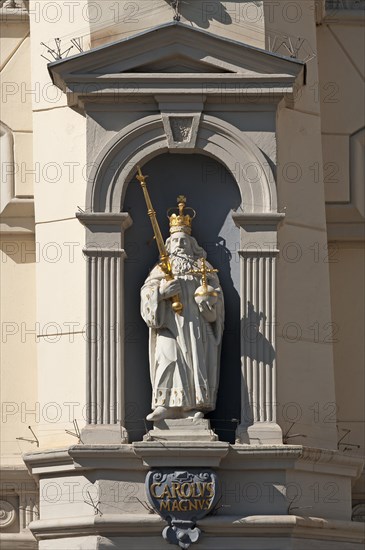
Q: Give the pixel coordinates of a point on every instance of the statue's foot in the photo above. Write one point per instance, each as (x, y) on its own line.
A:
(158, 414)
(194, 414)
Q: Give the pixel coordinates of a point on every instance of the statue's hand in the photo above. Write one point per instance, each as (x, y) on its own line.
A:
(168, 289)
(209, 312)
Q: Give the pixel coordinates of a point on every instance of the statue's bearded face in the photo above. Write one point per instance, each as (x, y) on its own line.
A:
(181, 252)
(180, 244)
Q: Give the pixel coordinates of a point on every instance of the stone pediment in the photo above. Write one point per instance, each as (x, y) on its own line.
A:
(176, 58)
(178, 64)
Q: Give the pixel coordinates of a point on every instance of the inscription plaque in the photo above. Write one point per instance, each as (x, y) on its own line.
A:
(182, 497)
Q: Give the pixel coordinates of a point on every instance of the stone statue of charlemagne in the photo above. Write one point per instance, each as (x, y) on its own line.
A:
(184, 346)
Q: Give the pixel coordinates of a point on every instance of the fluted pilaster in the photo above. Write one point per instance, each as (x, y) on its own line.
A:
(105, 321)
(104, 343)
(258, 355)
(258, 313)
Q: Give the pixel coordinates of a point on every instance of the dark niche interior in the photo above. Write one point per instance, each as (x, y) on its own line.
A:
(211, 190)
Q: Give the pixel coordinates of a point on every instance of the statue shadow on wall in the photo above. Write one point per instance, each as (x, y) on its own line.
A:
(213, 193)
(227, 409)
(203, 13)
(257, 348)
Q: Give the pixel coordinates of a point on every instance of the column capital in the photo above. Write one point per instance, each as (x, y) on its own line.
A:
(95, 252)
(258, 252)
(258, 230)
(105, 230)
(120, 219)
(267, 220)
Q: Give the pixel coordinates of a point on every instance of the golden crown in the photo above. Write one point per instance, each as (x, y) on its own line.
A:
(180, 221)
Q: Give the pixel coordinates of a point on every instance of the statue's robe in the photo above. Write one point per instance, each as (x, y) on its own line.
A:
(184, 349)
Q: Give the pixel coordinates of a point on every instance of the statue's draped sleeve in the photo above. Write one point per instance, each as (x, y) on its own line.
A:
(153, 310)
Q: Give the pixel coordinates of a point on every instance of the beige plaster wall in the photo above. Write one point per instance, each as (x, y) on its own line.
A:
(18, 346)
(341, 71)
(16, 97)
(48, 21)
(60, 150)
(60, 154)
(347, 272)
(61, 310)
(240, 21)
(16, 100)
(17, 252)
(304, 347)
(341, 53)
(12, 35)
(290, 30)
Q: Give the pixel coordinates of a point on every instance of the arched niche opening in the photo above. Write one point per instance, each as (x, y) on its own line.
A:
(145, 139)
(212, 191)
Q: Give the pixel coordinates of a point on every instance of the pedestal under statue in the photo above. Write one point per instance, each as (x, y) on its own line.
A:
(184, 345)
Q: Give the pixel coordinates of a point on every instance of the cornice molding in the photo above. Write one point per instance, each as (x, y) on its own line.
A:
(346, 231)
(344, 17)
(121, 219)
(128, 67)
(242, 219)
(224, 525)
(18, 217)
(295, 457)
(14, 15)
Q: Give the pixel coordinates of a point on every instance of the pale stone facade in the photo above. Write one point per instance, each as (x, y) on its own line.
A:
(255, 111)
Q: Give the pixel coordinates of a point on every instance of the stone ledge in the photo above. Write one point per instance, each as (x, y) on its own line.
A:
(194, 454)
(18, 541)
(296, 457)
(119, 457)
(107, 523)
(82, 457)
(15, 473)
(304, 527)
(121, 219)
(250, 526)
(142, 454)
(50, 461)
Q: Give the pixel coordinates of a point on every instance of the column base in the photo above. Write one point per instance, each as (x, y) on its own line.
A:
(181, 429)
(260, 433)
(104, 434)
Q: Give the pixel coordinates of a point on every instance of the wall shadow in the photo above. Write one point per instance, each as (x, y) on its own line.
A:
(257, 348)
(21, 250)
(203, 13)
(213, 193)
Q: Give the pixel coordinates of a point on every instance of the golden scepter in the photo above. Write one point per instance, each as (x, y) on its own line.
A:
(165, 263)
